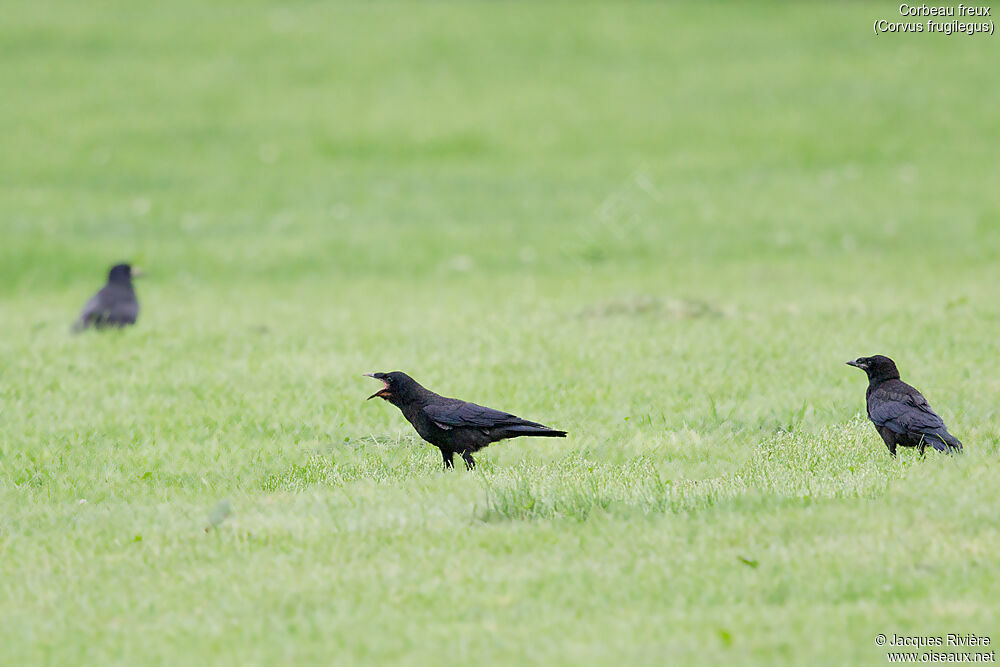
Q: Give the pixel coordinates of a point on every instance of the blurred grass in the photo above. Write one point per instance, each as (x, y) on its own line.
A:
(662, 227)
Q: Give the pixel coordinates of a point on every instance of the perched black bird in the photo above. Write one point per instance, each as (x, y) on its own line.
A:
(900, 413)
(115, 305)
(451, 425)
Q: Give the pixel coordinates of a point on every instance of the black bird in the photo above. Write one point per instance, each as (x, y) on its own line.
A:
(900, 413)
(451, 425)
(115, 305)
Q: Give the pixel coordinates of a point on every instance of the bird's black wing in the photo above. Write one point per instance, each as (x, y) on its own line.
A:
(111, 305)
(903, 411)
(91, 311)
(469, 415)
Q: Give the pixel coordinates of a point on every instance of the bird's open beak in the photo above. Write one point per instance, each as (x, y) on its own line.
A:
(381, 393)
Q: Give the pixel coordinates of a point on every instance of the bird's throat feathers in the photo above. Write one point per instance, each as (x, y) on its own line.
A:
(881, 376)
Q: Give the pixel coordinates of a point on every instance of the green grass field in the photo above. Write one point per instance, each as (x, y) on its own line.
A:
(663, 228)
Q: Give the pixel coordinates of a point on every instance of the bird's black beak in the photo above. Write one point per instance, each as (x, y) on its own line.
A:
(381, 393)
(855, 364)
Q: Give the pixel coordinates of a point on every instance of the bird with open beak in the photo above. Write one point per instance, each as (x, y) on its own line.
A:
(452, 425)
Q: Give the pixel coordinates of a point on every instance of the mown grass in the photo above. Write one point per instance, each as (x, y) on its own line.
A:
(662, 227)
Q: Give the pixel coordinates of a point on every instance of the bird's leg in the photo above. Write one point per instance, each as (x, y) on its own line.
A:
(470, 464)
(447, 456)
(889, 438)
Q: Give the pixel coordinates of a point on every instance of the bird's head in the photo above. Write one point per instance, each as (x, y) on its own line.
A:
(123, 273)
(397, 386)
(878, 367)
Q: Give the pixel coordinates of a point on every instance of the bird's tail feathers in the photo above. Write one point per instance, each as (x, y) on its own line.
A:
(944, 442)
(953, 442)
(536, 430)
(936, 442)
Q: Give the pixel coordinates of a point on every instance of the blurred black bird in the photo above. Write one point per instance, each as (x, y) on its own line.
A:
(115, 305)
(451, 425)
(900, 413)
